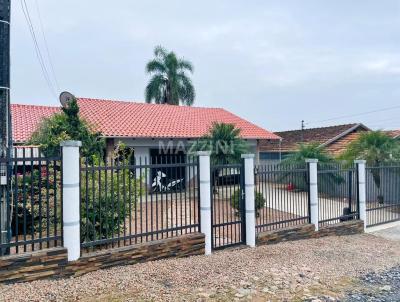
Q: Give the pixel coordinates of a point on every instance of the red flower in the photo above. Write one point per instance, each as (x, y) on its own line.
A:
(290, 187)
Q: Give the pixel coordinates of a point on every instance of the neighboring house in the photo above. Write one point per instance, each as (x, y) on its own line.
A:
(333, 139)
(146, 128)
(393, 133)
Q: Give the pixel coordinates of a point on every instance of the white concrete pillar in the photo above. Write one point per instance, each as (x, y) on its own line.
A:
(71, 217)
(205, 198)
(250, 199)
(362, 198)
(313, 177)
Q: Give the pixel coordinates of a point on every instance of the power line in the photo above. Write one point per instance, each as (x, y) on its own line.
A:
(353, 115)
(37, 48)
(379, 122)
(46, 45)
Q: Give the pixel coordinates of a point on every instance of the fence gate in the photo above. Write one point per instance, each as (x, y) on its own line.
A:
(383, 194)
(227, 205)
(337, 193)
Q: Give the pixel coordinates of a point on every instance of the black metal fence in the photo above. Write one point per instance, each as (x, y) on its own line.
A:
(131, 201)
(31, 207)
(281, 196)
(227, 205)
(383, 194)
(337, 193)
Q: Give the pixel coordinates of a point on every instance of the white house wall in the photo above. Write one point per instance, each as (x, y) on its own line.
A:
(180, 143)
(142, 148)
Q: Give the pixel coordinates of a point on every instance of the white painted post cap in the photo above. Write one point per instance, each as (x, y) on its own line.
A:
(71, 144)
(360, 161)
(248, 155)
(311, 160)
(203, 153)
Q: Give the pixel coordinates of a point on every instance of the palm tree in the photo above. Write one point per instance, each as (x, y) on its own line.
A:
(226, 146)
(224, 142)
(169, 83)
(297, 160)
(376, 148)
(306, 151)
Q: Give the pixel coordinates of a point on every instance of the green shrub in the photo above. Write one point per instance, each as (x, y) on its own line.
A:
(67, 125)
(104, 215)
(35, 202)
(259, 200)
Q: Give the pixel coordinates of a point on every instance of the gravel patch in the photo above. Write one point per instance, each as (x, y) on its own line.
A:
(377, 287)
(303, 270)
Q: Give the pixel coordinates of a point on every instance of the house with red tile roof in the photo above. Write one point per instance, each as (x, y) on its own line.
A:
(144, 127)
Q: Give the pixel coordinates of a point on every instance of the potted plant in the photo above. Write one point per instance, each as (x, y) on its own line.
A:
(259, 202)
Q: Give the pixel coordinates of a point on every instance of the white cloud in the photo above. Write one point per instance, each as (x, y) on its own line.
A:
(388, 66)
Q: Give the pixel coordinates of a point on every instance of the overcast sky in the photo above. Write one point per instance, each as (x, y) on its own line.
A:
(271, 62)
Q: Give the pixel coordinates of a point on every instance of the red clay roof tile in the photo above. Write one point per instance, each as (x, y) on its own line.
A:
(128, 119)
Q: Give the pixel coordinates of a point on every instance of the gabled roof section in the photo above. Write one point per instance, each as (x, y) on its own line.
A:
(138, 120)
(393, 133)
(325, 136)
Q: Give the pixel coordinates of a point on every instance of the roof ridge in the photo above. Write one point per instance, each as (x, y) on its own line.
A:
(325, 127)
(33, 105)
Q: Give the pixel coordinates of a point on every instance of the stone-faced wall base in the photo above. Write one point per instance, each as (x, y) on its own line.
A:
(350, 227)
(33, 266)
(286, 234)
(54, 262)
(182, 246)
(308, 231)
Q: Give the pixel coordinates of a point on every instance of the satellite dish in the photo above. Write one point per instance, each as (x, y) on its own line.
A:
(65, 98)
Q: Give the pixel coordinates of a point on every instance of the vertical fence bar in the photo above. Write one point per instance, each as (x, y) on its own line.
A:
(24, 194)
(55, 201)
(71, 219)
(205, 198)
(15, 204)
(313, 189)
(32, 202)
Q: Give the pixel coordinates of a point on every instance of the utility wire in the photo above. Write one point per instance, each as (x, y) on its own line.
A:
(379, 122)
(37, 49)
(353, 115)
(47, 46)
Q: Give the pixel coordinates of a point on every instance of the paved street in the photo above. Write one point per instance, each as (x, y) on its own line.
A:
(392, 233)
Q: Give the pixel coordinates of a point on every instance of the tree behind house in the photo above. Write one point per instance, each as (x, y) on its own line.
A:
(377, 149)
(224, 142)
(297, 160)
(67, 125)
(169, 83)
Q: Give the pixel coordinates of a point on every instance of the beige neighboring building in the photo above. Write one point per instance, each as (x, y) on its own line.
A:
(333, 139)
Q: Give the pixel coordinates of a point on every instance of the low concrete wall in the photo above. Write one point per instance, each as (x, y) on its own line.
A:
(307, 231)
(53, 262)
